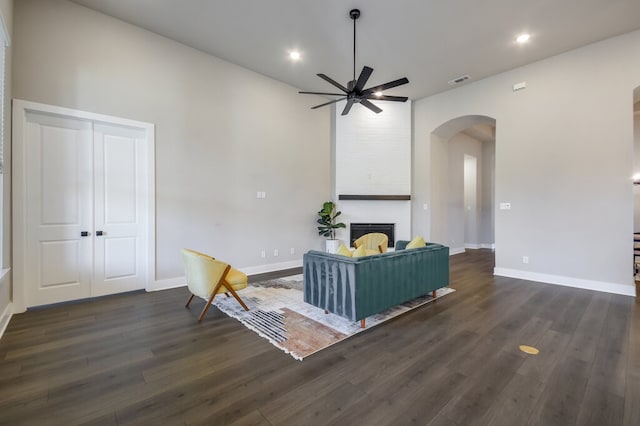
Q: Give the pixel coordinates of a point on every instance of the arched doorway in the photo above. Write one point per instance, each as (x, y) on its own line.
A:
(462, 183)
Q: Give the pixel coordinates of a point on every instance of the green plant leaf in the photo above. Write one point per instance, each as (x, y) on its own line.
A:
(327, 220)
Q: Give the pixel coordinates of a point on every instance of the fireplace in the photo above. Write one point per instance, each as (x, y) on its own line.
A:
(357, 230)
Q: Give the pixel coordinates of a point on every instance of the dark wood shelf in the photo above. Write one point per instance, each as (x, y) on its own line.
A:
(374, 197)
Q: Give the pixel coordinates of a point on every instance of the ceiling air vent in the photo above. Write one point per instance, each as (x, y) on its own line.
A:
(459, 80)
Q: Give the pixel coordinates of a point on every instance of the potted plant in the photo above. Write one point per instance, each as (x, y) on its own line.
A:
(327, 225)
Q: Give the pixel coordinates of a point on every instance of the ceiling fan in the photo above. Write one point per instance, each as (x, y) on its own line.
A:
(355, 93)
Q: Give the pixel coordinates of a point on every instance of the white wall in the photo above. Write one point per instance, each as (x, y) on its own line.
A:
(223, 133)
(469, 218)
(486, 233)
(471, 212)
(460, 233)
(636, 171)
(6, 14)
(373, 157)
(564, 151)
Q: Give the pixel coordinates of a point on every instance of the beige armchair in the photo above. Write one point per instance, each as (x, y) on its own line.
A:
(374, 243)
(207, 277)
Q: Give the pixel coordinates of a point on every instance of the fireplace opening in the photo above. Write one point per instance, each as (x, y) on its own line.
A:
(357, 230)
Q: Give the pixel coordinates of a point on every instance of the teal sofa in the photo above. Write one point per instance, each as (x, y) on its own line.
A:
(356, 288)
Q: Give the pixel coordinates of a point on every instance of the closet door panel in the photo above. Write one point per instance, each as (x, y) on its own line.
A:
(120, 178)
(59, 209)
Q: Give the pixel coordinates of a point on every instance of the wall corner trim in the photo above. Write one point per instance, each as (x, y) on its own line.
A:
(5, 318)
(606, 287)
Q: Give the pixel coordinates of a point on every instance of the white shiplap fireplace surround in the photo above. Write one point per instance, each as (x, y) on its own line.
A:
(373, 157)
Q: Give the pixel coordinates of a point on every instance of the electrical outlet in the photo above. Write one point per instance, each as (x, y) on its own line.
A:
(275, 252)
(263, 254)
(520, 86)
(293, 250)
(525, 259)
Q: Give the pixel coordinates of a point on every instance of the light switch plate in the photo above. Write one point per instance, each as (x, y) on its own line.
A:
(520, 86)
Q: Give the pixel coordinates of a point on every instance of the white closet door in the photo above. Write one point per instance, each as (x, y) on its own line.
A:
(59, 180)
(120, 209)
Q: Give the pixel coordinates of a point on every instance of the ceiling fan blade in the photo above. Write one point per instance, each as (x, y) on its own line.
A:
(332, 81)
(362, 79)
(347, 107)
(322, 93)
(328, 103)
(369, 105)
(389, 85)
(386, 98)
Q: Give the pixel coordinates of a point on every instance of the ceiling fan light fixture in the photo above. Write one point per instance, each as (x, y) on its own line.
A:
(355, 92)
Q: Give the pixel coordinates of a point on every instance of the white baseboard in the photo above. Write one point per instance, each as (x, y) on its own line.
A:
(271, 267)
(5, 318)
(457, 250)
(626, 290)
(169, 283)
(480, 246)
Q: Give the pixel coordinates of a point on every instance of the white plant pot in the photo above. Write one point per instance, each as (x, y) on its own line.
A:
(332, 245)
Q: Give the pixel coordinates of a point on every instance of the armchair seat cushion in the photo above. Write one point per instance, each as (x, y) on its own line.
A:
(236, 278)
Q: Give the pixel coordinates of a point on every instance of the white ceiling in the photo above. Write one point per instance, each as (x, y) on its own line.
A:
(428, 41)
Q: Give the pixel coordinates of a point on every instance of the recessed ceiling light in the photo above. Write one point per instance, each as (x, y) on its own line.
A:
(294, 55)
(378, 94)
(523, 38)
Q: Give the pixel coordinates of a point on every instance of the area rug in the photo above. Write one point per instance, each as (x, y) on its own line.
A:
(278, 313)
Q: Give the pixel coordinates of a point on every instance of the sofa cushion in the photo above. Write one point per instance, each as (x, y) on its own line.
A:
(401, 244)
(360, 252)
(416, 242)
(344, 251)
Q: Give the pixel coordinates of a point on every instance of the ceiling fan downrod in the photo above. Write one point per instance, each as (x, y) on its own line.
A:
(354, 14)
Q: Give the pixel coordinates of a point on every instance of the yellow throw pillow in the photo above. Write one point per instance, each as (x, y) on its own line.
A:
(359, 252)
(343, 251)
(416, 242)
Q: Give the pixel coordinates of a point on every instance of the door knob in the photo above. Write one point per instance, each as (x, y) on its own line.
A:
(84, 234)
(99, 233)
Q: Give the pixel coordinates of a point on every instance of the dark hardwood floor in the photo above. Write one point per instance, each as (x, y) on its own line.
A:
(142, 358)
